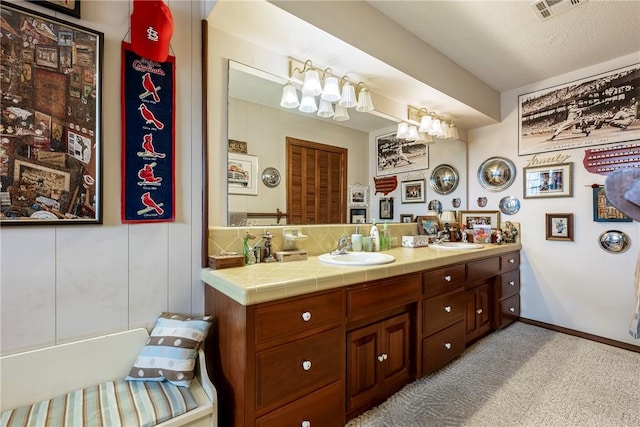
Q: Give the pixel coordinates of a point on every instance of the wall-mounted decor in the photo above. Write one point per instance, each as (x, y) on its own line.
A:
(548, 181)
(50, 127)
(235, 146)
(471, 218)
(386, 208)
(242, 174)
(357, 216)
(614, 241)
(509, 205)
(559, 226)
(605, 160)
(414, 191)
(596, 110)
(496, 173)
(428, 225)
(444, 179)
(271, 177)
(603, 210)
(70, 7)
(394, 155)
(406, 218)
(358, 196)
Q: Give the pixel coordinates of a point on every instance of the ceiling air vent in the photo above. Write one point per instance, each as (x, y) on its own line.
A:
(545, 9)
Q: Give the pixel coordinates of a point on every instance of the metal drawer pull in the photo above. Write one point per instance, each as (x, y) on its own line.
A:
(306, 423)
(382, 357)
(512, 309)
(512, 261)
(306, 316)
(447, 309)
(447, 278)
(306, 365)
(479, 311)
(447, 345)
(512, 283)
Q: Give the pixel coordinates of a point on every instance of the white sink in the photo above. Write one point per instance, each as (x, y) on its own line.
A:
(456, 245)
(357, 258)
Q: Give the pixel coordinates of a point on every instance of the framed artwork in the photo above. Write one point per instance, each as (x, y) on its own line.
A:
(428, 225)
(242, 174)
(580, 113)
(603, 211)
(51, 131)
(559, 226)
(471, 218)
(394, 155)
(414, 191)
(406, 218)
(386, 208)
(357, 216)
(548, 181)
(358, 196)
(70, 7)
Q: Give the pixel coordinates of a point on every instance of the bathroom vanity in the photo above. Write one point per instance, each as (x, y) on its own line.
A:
(311, 344)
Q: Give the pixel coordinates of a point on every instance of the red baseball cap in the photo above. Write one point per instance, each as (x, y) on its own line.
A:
(151, 29)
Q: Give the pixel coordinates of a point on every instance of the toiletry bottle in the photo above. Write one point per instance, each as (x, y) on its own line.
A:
(356, 241)
(385, 242)
(375, 237)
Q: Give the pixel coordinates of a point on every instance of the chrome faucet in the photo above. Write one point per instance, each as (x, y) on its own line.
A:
(344, 244)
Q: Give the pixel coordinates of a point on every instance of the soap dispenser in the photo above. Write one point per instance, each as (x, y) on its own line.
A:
(385, 238)
(356, 241)
(375, 237)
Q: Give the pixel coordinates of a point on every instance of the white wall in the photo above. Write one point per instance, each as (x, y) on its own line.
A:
(62, 283)
(574, 284)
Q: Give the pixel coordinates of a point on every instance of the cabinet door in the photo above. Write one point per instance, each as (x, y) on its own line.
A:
(362, 365)
(478, 312)
(394, 358)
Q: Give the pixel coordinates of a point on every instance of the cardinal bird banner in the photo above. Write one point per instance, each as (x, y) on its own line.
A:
(148, 138)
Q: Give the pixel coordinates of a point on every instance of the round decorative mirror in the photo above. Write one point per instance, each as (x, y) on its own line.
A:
(444, 179)
(271, 177)
(614, 241)
(496, 173)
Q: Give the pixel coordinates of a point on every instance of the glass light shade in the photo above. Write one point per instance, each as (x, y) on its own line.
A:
(365, 105)
(403, 131)
(425, 124)
(348, 98)
(341, 114)
(413, 133)
(453, 132)
(432, 213)
(308, 104)
(289, 97)
(311, 84)
(331, 92)
(436, 128)
(448, 216)
(445, 130)
(325, 109)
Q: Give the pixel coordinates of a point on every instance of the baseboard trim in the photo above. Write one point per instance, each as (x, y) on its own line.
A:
(580, 334)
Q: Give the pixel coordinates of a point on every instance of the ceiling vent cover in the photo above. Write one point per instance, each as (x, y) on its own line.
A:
(545, 9)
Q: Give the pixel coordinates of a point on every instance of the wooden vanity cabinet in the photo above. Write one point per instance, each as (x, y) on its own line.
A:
(507, 291)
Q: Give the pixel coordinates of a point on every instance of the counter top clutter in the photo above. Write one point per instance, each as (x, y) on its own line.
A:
(268, 282)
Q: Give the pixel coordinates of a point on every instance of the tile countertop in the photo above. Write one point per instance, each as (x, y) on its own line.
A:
(253, 284)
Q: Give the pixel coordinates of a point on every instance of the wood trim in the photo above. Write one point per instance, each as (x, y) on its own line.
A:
(205, 145)
(579, 334)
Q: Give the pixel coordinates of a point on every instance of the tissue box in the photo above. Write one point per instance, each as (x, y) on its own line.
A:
(415, 241)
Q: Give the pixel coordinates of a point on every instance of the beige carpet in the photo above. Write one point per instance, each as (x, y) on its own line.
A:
(521, 376)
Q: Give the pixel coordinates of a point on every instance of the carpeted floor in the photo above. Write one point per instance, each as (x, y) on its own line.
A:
(521, 376)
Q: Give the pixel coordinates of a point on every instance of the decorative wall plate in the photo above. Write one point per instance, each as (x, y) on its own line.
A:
(444, 179)
(509, 205)
(271, 177)
(496, 173)
(614, 241)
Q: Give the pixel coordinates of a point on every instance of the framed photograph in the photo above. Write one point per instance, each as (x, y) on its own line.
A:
(357, 216)
(603, 210)
(394, 155)
(406, 218)
(414, 191)
(559, 226)
(54, 151)
(386, 208)
(428, 225)
(359, 196)
(580, 114)
(471, 218)
(548, 181)
(242, 174)
(70, 7)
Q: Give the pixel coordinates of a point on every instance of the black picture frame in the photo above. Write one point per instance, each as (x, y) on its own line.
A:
(53, 148)
(386, 208)
(70, 7)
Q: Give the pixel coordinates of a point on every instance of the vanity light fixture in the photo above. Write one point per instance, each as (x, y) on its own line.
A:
(331, 92)
(311, 84)
(403, 130)
(453, 132)
(412, 134)
(341, 114)
(441, 127)
(348, 98)
(365, 104)
(325, 109)
(289, 97)
(308, 104)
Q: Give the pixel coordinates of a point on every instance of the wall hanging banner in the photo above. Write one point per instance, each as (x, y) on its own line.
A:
(148, 138)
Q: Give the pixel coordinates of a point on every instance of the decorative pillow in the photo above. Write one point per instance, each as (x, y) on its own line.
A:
(171, 351)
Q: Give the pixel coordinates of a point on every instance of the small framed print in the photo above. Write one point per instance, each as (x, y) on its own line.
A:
(413, 191)
(386, 208)
(428, 225)
(358, 196)
(548, 181)
(358, 216)
(242, 174)
(69, 7)
(603, 210)
(471, 218)
(406, 218)
(559, 226)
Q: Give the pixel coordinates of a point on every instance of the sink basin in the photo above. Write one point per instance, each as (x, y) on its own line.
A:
(357, 258)
(456, 245)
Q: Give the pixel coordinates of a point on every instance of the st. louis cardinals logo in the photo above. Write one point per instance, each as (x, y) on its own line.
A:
(150, 205)
(149, 149)
(147, 175)
(149, 118)
(150, 89)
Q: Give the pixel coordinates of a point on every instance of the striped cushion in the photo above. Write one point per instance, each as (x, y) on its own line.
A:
(114, 403)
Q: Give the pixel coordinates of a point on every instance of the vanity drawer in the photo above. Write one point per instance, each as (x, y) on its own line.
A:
(295, 369)
(442, 311)
(323, 408)
(372, 299)
(509, 261)
(298, 316)
(509, 311)
(443, 347)
(442, 279)
(483, 269)
(510, 284)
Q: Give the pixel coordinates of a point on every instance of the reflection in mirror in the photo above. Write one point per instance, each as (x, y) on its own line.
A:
(256, 119)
